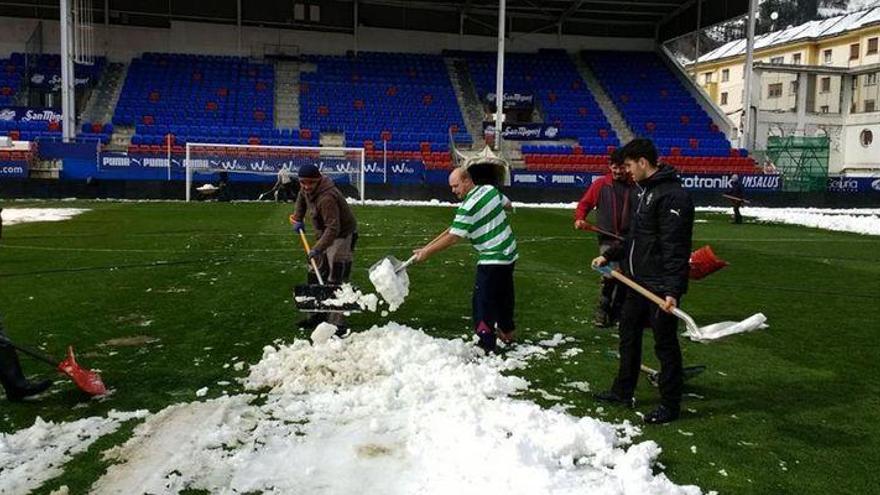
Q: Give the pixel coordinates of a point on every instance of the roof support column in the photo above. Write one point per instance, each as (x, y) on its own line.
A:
(747, 124)
(801, 103)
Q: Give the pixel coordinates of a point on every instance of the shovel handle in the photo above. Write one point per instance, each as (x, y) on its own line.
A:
(734, 198)
(305, 243)
(405, 264)
(593, 228)
(30, 352)
(654, 298)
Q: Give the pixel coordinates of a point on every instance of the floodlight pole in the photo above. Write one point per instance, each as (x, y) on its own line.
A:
(499, 77)
(68, 116)
(748, 74)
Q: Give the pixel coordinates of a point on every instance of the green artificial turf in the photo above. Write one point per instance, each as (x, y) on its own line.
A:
(792, 409)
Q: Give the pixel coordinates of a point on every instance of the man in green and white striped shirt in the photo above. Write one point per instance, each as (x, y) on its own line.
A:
(482, 219)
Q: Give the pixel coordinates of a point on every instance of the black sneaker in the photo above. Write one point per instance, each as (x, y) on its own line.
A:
(661, 415)
(612, 397)
(342, 331)
(32, 388)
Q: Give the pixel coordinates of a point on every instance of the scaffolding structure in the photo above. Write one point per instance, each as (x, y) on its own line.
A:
(802, 161)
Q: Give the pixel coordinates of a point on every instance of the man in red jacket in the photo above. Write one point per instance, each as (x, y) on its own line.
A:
(611, 195)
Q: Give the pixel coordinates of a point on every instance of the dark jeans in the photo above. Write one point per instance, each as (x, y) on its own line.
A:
(737, 217)
(638, 313)
(493, 302)
(612, 295)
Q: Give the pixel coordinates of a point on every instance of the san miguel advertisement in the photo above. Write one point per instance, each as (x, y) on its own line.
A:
(525, 132)
(27, 114)
(512, 101)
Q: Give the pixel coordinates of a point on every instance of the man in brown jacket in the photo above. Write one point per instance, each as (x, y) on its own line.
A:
(336, 231)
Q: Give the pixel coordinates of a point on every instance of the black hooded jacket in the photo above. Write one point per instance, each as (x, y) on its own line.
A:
(657, 250)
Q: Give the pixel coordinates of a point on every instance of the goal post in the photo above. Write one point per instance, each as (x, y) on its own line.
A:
(204, 161)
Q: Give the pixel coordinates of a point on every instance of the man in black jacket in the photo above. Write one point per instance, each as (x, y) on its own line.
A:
(655, 255)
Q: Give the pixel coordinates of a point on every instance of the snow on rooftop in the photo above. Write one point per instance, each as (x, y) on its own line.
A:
(809, 30)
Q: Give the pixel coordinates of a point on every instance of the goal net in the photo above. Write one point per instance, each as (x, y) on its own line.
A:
(204, 162)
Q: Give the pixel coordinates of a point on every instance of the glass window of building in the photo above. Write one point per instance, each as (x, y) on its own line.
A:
(796, 59)
(872, 46)
(827, 56)
(854, 51)
(725, 75)
(869, 106)
(826, 85)
(774, 90)
(724, 98)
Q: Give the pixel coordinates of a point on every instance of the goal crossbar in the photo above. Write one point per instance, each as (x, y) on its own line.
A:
(221, 157)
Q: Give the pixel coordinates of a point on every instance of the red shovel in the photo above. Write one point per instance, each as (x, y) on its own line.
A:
(87, 380)
(703, 263)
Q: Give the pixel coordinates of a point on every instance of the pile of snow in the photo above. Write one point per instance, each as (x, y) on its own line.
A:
(393, 287)
(12, 216)
(859, 221)
(390, 410)
(31, 456)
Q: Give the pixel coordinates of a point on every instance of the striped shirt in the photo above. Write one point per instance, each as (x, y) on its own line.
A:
(481, 218)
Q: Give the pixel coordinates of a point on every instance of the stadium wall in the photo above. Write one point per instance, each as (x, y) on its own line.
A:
(121, 43)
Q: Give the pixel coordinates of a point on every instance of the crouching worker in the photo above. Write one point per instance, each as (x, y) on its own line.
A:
(481, 218)
(336, 230)
(16, 385)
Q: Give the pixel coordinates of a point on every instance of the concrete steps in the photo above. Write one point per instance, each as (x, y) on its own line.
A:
(287, 95)
(615, 118)
(105, 95)
(468, 101)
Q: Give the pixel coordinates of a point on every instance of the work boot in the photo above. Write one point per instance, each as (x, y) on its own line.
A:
(613, 397)
(28, 389)
(661, 415)
(508, 338)
(601, 318)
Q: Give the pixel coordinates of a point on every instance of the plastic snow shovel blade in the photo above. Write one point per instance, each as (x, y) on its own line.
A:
(703, 263)
(88, 381)
(395, 263)
(314, 298)
(717, 331)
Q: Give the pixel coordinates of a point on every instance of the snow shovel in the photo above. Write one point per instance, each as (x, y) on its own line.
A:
(312, 298)
(703, 263)
(86, 380)
(699, 334)
(398, 265)
(653, 375)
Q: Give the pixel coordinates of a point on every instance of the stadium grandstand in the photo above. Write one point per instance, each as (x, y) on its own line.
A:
(580, 79)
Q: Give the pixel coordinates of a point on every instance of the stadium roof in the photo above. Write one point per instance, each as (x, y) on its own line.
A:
(663, 19)
(809, 31)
